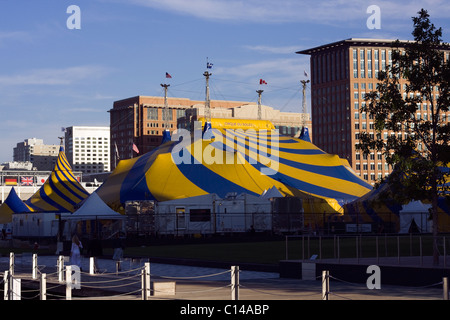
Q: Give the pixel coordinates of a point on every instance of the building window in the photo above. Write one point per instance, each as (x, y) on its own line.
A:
(152, 113)
(362, 63)
(355, 63)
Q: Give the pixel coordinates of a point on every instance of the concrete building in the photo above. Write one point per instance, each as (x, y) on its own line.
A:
(288, 123)
(140, 120)
(88, 148)
(42, 156)
(341, 74)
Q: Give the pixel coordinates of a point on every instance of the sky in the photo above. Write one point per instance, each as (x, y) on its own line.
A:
(61, 67)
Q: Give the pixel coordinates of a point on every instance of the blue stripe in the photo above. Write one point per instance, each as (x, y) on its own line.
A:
(339, 172)
(135, 183)
(210, 181)
(70, 178)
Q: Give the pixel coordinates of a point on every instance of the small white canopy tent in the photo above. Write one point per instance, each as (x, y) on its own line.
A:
(94, 208)
(271, 193)
(415, 214)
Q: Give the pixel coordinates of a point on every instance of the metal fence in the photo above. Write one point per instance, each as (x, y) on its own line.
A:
(177, 224)
(393, 248)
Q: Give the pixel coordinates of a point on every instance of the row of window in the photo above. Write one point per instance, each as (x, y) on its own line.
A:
(372, 166)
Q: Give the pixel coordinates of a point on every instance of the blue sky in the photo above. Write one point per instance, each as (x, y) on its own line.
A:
(52, 76)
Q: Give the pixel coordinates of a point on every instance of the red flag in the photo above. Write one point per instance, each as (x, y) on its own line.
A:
(135, 148)
(261, 81)
(168, 75)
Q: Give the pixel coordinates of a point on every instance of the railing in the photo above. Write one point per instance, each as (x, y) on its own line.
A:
(394, 248)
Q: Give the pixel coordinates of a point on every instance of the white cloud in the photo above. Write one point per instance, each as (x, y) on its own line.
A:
(54, 76)
(274, 50)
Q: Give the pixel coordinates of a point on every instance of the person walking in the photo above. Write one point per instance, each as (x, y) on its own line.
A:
(75, 251)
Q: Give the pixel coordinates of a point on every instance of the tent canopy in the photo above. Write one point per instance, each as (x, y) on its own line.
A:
(12, 204)
(61, 192)
(93, 208)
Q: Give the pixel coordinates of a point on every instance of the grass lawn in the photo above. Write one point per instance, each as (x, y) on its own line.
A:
(271, 252)
(267, 252)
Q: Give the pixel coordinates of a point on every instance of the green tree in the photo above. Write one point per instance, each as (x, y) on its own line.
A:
(417, 147)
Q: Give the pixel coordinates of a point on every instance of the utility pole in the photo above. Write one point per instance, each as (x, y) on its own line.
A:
(166, 133)
(259, 104)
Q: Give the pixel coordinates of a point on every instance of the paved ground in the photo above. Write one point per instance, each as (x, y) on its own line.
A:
(199, 283)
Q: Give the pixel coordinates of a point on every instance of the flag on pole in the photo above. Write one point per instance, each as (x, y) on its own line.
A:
(135, 148)
(168, 76)
(305, 73)
(261, 81)
(209, 65)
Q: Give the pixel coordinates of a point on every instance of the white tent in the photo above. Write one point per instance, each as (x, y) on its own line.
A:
(271, 193)
(415, 214)
(94, 208)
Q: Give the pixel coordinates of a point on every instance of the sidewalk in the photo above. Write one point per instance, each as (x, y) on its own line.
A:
(200, 283)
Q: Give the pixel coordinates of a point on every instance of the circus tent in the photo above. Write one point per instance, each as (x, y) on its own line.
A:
(12, 204)
(61, 192)
(242, 158)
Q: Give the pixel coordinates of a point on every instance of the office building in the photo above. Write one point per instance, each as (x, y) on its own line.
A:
(137, 123)
(341, 74)
(42, 156)
(88, 148)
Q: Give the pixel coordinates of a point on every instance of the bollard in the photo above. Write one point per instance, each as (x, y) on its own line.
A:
(325, 284)
(118, 267)
(445, 288)
(235, 283)
(43, 286)
(35, 267)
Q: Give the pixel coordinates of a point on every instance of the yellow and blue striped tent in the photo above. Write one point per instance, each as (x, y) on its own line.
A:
(12, 204)
(380, 208)
(249, 160)
(61, 192)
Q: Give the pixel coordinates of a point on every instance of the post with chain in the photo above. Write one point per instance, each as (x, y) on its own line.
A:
(146, 281)
(11, 263)
(325, 284)
(60, 271)
(445, 288)
(235, 283)
(6, 285)
(69, 283)
(35, 267)
(43, 286)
